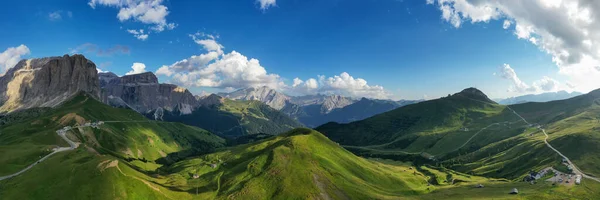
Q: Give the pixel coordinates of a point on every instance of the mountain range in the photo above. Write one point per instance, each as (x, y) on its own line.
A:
(242, 113)
(543, 97)
(131, 137)
(315, 110)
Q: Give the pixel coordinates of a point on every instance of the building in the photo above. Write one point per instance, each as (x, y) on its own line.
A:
(514, 191)
(578, 179)
(213, 165)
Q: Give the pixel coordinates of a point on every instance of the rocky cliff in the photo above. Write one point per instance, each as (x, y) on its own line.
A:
(47, 82)
(143, 93)
(263, 94)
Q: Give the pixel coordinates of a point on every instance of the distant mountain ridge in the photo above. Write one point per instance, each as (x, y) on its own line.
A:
(314, 110)
(543, 97)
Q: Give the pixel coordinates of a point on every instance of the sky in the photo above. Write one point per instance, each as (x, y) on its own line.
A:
(386, 49)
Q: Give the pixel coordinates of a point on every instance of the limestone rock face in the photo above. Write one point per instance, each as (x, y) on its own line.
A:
(335, 101)
(47, 82)
(143, 93)
(105, 78)
(263, 94)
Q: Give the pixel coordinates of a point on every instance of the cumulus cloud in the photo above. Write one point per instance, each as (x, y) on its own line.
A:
(310, 86)
(218, 69)
(229, 71)
(151, 12)
(343, 84)
(139, 34)
(565, 29)
(95, 49)
(266, 4)
(11, 56)
(137, 68)
(546, 84)
(207, 41)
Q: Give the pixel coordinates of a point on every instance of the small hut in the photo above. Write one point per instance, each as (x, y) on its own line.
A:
(196, 176)
(213, 165)
(479, 186)
(514, 191)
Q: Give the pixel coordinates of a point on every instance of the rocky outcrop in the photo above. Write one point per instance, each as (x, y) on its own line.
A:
(105, 78)
(143, 93)
(47, 82)
(210, 100)
(263, 94)
(335, 101)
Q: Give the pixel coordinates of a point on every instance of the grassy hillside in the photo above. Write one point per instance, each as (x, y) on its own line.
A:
(233, 118)
(436, 127)
(573, 126)
(132, 137)
(300, 164)
(495, 143)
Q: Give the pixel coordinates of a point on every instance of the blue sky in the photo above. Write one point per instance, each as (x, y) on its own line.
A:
(402, 49)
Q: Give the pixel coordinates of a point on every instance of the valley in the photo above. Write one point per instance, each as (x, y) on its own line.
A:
(119, 143)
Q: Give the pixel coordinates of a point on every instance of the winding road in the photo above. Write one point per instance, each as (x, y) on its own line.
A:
(63, 134)
(576, 170)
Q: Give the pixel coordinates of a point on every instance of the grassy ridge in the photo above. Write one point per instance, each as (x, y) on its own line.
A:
(25, 141)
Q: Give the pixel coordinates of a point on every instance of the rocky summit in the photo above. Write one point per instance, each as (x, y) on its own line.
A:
(143, 93)
(47, 82)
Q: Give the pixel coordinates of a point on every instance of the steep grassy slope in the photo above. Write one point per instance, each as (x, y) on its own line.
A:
(299, 164)
(126, 134)
(233, 118)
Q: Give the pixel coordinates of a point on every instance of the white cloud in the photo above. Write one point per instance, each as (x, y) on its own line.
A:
(568, 30)
(546, 84)
(344, 84)
(139, 34)
(219, 70)
(55, 16)
(506, 24)
(299, 86)
(266, 4)
(208, 42)
(151, 12)
(234, 71)
(11, 56)
(137, 68)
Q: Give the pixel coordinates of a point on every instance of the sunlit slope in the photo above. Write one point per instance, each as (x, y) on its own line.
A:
(300, 164)
(435, 127)
(126, 134)
(573, 126)
(81, 174)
